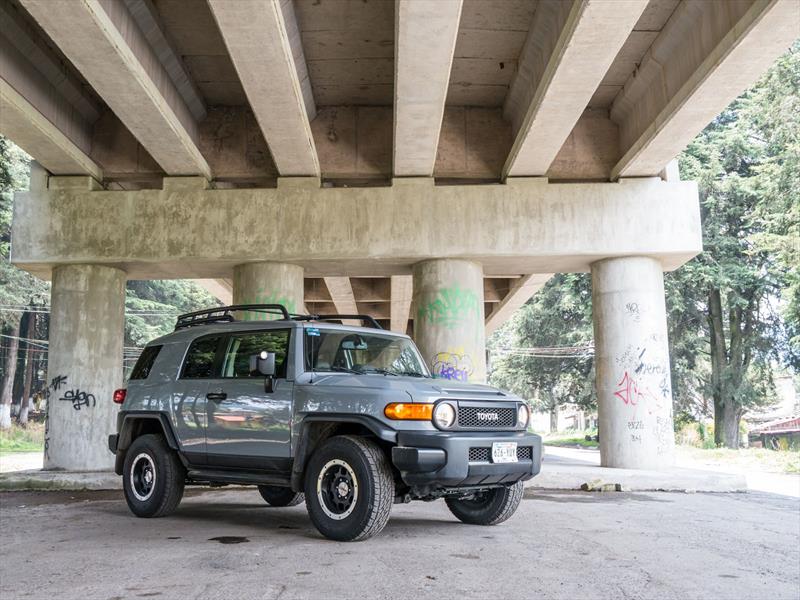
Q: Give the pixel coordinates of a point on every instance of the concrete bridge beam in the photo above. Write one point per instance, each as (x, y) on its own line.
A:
(448, 326)
(634, 394)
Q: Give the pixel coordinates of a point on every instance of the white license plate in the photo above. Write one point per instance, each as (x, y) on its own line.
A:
(504, 452)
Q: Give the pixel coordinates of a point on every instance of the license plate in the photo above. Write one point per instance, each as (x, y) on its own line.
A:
(504, 452)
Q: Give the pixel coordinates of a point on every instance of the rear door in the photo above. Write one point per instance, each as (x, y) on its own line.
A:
(249, 428)
(189, 396)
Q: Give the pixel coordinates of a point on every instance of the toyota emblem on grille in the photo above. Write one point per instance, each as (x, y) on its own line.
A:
(487, 416)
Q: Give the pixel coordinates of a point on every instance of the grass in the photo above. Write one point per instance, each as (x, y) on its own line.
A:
(568, 440)
(752, 459)
(22, 439)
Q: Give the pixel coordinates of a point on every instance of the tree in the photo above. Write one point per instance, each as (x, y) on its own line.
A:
(725, 326)
(547, 358)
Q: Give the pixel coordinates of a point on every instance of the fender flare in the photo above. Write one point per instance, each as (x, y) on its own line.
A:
(302, 454)
(126, 428)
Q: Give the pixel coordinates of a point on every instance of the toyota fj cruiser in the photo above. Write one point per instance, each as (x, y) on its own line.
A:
(346, 418)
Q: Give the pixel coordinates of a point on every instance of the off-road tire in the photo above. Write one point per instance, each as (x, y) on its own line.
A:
(375, 488)
(169, 479)
(493, 507)
(280, 496)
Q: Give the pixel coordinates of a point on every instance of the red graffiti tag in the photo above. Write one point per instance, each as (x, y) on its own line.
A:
(629, 391)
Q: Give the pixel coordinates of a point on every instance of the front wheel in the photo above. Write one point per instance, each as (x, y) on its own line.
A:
(152, 477)
(489, 507)
(279, 496)
(349, 488)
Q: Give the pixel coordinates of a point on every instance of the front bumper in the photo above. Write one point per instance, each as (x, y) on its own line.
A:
(440, 460)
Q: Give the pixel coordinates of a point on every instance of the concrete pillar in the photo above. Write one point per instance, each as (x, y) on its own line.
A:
(268, 283)
(634, 395)
(84, 367)
(448, 318)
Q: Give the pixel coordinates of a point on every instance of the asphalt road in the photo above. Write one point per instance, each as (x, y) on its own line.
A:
(228, 544)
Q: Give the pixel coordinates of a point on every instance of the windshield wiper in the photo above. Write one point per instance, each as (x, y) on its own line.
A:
(347, 370)
(411, 374)
(381, 371)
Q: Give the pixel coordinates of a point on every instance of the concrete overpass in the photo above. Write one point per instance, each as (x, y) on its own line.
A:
(429, 162)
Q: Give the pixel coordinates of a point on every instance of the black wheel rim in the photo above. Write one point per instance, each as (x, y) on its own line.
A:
(143, 477)
(337, 489)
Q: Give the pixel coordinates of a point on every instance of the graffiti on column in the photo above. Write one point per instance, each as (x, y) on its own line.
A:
(450, 307)
(634, 311)
(79, 398)
(268, 297)
(638, 388)
(452, 365)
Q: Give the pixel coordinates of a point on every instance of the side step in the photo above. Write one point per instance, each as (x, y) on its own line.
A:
(240, 477)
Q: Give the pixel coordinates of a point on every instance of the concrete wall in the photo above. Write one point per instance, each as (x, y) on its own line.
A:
(188, 231)
(84, 366)
(634, 390)
(448, 324)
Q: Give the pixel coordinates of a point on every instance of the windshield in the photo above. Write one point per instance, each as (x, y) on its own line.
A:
(329, 350)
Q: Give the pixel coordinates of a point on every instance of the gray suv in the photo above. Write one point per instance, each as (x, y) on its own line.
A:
(346, 418)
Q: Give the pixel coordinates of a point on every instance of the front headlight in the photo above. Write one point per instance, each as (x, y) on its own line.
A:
(444, 415)
(523, 414)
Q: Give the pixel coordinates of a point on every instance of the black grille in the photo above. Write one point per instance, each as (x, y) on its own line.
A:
(479, 454)
(524, 453)
(484, 454)
(484, 417)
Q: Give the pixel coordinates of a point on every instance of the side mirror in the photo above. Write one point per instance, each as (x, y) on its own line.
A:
(264, 363)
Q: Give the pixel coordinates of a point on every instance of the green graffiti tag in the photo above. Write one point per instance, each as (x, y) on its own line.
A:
(264, 297)
(451, 307)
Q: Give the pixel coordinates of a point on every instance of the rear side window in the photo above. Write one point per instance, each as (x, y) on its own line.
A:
(241, 347)
(199, 363)
(146, 360)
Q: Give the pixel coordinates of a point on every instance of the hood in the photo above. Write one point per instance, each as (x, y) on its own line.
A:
(420, 390)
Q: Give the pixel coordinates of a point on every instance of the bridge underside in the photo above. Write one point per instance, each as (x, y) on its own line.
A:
(431, 163)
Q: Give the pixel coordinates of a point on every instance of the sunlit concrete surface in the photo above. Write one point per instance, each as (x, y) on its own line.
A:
(558, 545)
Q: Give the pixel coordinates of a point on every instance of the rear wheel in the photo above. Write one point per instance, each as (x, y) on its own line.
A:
(152, 477)
(489, 507)
(349, 488)
(280, 496)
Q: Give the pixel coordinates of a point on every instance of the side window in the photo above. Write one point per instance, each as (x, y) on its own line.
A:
(199, 362)
(146, 359)
(241, 347)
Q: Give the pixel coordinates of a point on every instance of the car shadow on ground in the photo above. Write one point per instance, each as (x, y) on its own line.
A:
(259, 519)
(568, 497)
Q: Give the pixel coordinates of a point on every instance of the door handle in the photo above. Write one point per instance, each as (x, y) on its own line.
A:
(216, 396)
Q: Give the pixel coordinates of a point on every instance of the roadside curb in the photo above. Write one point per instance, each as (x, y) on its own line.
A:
(59, 480)
(598, 479)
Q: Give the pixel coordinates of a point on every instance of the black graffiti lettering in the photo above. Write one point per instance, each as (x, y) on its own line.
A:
(78, 398)
(57, 381)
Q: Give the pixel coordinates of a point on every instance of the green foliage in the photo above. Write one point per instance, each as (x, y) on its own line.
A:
(559, 315)
(726, 330)
(17, 287)
(22, 439)
(152, 306)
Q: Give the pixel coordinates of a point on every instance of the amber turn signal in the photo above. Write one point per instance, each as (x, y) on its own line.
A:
(408, 412)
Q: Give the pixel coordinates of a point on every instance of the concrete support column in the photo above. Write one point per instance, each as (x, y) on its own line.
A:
(448, 323)
(87, 322)
(268, 283)
(634, 394)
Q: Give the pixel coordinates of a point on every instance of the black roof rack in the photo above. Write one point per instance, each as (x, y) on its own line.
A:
(222, 314)
(367, 320)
